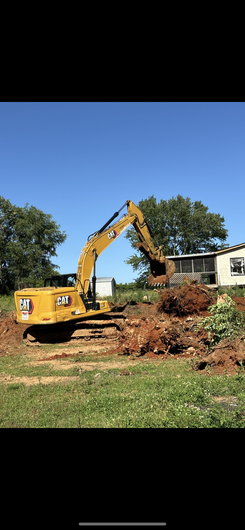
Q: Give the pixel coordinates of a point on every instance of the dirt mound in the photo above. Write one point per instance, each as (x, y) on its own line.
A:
(160, 336)
(228, 356)
(240, 302)
(167, 331)
(11, 333)
(186, 299)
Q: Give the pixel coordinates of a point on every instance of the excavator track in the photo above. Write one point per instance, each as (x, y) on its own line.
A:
(106, 326)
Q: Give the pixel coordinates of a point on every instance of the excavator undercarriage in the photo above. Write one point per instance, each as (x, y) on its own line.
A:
(105, 326)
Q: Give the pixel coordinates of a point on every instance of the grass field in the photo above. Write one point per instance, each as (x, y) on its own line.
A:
(162, 394)
(166, 394)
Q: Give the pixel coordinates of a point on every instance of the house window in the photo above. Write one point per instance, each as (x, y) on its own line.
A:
(177, 266)
(198, 265)
(208, 279)
(187, 265)
(71, 281)
(237, 266)
(209, 264)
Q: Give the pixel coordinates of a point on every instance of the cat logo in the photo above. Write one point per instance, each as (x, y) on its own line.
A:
(64, 300)
(26, 304)
(112, 234)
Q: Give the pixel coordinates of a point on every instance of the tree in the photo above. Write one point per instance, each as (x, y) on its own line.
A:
(28, 242)
(181, 227)
(7, 213)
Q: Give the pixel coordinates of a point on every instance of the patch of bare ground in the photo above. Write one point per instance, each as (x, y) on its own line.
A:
(84, 366)
(28, 381)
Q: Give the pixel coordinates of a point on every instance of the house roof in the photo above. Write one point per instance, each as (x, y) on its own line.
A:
(230, 248)
(227, 249)
(192, 255)
(104, 279)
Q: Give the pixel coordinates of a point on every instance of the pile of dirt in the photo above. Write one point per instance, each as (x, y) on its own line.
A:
(170, 330)
(240, 302)
(11, 333)
(161, 336)
(186, 299)
(228, 356)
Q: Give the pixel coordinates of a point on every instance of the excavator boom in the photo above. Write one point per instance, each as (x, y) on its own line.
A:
(161, 268)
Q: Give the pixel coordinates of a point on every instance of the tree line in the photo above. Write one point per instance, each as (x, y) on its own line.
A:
(28, 242)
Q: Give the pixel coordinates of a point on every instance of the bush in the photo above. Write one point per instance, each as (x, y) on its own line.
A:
(235, 290)
(226, 321)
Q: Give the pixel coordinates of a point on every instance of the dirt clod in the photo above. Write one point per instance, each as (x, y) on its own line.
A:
(125, 372)
(228, 356)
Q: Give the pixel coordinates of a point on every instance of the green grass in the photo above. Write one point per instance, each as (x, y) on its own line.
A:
(136, 295)
(6, 303)
(168, 395)
(232, 291)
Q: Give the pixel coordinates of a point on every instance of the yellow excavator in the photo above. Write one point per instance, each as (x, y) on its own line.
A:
(61, 303)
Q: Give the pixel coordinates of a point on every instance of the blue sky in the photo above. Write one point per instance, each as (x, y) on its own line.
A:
(80, 162)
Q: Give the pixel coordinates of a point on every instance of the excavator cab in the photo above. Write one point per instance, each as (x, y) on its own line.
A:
(61, 280)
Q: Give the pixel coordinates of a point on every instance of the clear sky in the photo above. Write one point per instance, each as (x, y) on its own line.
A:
(80, 162)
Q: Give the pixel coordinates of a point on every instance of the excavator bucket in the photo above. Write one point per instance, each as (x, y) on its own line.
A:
(162, 269)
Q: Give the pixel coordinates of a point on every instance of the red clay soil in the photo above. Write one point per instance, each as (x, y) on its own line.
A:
(228, 356)
(161, 337)
(240, 302)
(171, 330)
(187, 299)
(11, 333)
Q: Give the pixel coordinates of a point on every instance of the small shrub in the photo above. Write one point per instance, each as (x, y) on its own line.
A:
(225, 321)
(235, 290)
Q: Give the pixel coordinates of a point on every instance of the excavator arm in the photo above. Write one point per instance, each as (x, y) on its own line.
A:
(161, 268)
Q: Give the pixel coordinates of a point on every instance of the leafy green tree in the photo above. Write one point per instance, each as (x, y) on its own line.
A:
(181, 227)
(7, 214)
(123, 287)
(28, 242)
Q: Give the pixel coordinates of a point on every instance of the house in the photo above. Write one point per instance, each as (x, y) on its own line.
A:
(224, 267)
(104, 286)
